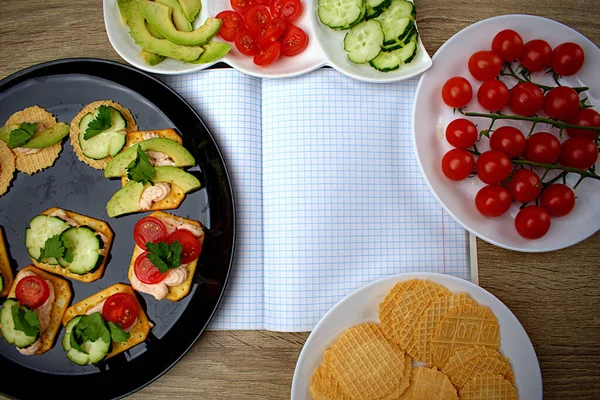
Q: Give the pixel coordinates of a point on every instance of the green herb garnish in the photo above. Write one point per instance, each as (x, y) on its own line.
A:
(164, 256)
(21, 135)
(99, 124)
(140, 169)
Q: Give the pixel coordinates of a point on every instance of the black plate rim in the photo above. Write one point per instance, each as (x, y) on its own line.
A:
(14, 79)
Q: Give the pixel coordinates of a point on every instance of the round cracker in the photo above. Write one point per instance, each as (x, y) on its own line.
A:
(489, 387)
(463, 356)
(7, 167)
(131, 126)
(429, 384)
(478, 366)
(323, 386)
(404, 384)
(386, 307)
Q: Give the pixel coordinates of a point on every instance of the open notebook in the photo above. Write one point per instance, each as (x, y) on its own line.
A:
(329, 196)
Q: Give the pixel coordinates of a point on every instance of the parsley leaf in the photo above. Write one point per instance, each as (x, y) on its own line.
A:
(164, 256)
(76, 345)
(24, 321)
(118, 335)
(140, 169)
(53, 248)
(32, 318)
(68, 256)
(98, 124)
(21, 135)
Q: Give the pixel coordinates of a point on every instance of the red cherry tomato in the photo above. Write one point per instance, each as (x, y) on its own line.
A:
(584, 117)
(457, 92)
(542, 147)
(257, 17)
(524, 186)
(269, 55)
(231, 24)
(485, 65)
(493, 200)
(270, 33)
(578, 153)
(146, 272)
(508, 140)
(567, 59)
(532, 222)
(121, 309)
(149, 229)
(508, 44)
(457, 164)
(288, 10)
(241, 5)
(558, 200)
(32, 291)
(246, 43)
(264, 2)
(190, 244)
(537, 55)
(493, 95)
(526, 99)
(561, 103)
(461, 133)
(293, 41)
(493, 167)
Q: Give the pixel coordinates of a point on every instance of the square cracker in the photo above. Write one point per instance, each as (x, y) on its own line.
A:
(140, 329)
(178, 292)
(62, 293)
(5, 269)
(95, 224)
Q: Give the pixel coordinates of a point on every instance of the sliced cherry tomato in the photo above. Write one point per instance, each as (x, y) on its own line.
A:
(558, 200)
(231, 24)
(461, 133)
(493, 200)
(493, 95)
(270, 33)
(245, 42)
(149, 229)
(508, 140)
(293, 41)
(585, 117)
(121, 309)
(241, 5)
(32, 291)
(288, 10)
(532, 222)
(264, 2)
(524, 185)
(485, 65)
(508, 44)
(536, 56)
(269, 55)
(578, 153)
(562, 102)
(493, 167)
(542, 147)
(457, 92)
(567, 59)
(190, 244)
(145, 271)
(257, 17)
(526, 99)
(457, 164)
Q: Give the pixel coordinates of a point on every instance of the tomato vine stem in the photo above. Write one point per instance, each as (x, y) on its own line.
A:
(559, 124)
(545, 88)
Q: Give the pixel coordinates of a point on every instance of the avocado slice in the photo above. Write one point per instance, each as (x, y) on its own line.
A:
(117, 167)
(127, 199)
(151, 58)
(40, 139)
(160, 17)
(179, 18)
(212, 52)
(6, 130)
(139, 33)
(153, 31)
(191, 8)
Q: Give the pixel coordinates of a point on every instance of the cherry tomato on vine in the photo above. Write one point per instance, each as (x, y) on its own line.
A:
(585, 117)
(542, 147)
(578, 153)
(457, 92)
(508, 140)
(508, 44)
(457, 164)
(567, 59)
(485, 65)
(558, 200)
(524, 185)
(532, 222)
(461, 133)
(536, 56)
(493, 167)
(493, 95)
(493, 200)
(562, 102)
(526, 99)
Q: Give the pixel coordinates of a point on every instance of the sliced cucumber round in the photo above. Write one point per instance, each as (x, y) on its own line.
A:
(363, 43)
(83, 243)
(66, 341)
(97, 351)
(42, 228)
(341, 14)
(107, 143)
(11, 335)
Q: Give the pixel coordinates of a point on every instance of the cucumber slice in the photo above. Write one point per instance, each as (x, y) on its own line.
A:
(97, 351)
(41, 228)
(109, 142)
(385, 62)
(395, 20)
(407, 53)
(11, 335)
(341, 14)
(363, 43)
(78, 357)
(66, 341)
(84, 244)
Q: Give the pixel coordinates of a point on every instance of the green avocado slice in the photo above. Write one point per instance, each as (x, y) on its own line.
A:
(40, 139)
(191, 8)
(212, 52)
(151, 58)
(6, 130)
(179, 19)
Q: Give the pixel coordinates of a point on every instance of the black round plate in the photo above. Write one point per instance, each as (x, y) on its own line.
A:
(64, 87)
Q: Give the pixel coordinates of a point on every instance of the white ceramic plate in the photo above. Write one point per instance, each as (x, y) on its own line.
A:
(363, 306)
(431, 117)
(325, 47)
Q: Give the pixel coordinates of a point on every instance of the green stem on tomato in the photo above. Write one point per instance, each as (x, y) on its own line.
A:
(558, 124)
(580, 172)
(545, 88)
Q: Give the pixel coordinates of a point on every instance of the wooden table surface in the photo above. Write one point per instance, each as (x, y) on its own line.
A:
(556, 296)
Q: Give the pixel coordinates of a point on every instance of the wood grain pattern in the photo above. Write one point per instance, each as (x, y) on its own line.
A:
(556, 296)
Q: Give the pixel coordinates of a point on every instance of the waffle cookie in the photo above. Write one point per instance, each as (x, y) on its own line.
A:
(6, 273)
(489, 387)
(7, 167)
(429, 384)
